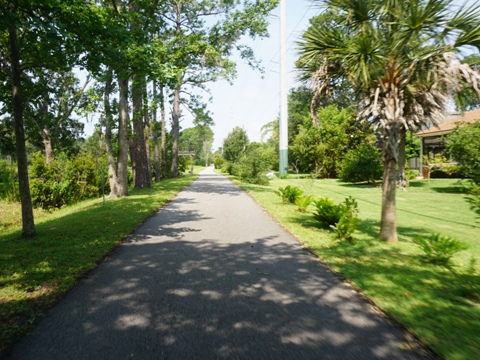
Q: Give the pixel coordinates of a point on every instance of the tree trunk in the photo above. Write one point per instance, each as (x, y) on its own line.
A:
(28, 224)
(388, 227)
(164, 135)
(45, 131)
(391, 140)
(122, 166)
(402, 181)
(47, 145)
(147, 131)
(142, 177)
(112, 169)
(175, 129)
(156, 154)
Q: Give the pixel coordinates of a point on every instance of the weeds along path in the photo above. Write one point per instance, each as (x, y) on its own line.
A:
(212, 276)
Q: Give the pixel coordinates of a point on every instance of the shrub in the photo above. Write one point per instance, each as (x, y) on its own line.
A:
(412, 173)
(254, 166)
(439, 249)
(218, 162)
(346, 226)
(289, 194)
(329, 214)
(8, 182)
(63, 181)
(303, 202)
(362, 164)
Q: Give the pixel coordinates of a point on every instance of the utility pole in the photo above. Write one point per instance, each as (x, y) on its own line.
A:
(283, 91)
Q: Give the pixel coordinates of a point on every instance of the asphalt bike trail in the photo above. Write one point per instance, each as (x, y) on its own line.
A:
(212, 276)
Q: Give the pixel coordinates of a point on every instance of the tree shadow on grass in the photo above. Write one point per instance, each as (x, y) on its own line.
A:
(362, 185)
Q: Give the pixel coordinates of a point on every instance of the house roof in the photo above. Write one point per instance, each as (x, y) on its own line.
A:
(449, 125)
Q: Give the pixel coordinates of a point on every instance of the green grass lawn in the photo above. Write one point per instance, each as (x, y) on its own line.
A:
(441, 307)
(36, 273)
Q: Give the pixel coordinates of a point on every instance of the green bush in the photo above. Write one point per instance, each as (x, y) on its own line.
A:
(303, 202)
(63, 181)
(8, 182)
(218, 162)
(439, 249)
(329, 214)
(229, 168)
(362, 164)
(289, 194)
(412, 174)
(346, 226)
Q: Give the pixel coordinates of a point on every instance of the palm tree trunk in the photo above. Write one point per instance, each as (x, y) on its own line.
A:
(388, 227)
(402, 181)
(28, 224)
(392, 133)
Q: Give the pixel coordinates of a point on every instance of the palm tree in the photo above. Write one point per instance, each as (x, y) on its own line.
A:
(402, 58)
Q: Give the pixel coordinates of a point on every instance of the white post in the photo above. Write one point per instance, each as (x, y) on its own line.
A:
(283, 154)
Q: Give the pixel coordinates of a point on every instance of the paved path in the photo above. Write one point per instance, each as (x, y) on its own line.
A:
(211, 276)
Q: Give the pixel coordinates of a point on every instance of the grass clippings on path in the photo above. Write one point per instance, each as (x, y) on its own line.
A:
(439, 306)
(36, 273)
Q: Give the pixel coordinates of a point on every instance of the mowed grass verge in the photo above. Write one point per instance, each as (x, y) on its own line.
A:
(439, 306)
(36, 273)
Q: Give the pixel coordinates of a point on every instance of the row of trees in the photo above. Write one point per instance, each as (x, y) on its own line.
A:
(123, 45)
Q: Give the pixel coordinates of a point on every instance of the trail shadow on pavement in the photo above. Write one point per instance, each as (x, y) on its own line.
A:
(204, 300)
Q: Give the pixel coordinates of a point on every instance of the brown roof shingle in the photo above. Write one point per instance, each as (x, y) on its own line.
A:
(449, 125)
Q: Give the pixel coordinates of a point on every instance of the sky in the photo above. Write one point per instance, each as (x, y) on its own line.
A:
(254, 98)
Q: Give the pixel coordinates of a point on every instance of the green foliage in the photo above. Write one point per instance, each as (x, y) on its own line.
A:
(289, 194)
(473, 197)
(411, 173)
(235, 145)
(439, 166)
(322, 149)
(346, 226)
(218, 162)
(8, 182)
(439, 249)
(464, 146)
(229, 168)
(412, 146)
(253, 167)
(362, 164)
(303, 202)
(63, 181)
(329, 214)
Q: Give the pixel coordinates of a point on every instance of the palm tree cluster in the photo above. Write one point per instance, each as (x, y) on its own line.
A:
(403, 59)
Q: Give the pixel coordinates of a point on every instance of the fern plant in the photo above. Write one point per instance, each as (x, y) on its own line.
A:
(329, 214)
(303, 202)
(439, 249)
(346, 226)
(289, 194)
